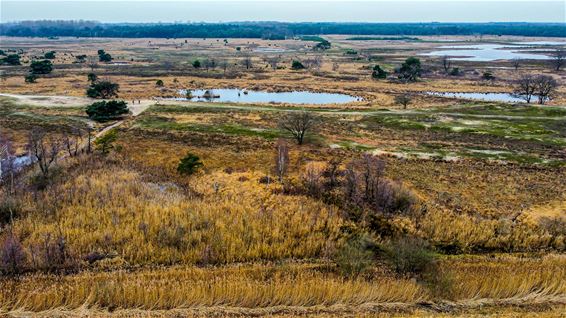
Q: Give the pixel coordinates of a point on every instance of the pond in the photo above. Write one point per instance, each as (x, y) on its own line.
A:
(486, 53)
(18, 163)
(235, 95)
(492, 97)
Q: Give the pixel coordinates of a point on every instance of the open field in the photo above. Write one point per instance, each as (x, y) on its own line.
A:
(445, 208)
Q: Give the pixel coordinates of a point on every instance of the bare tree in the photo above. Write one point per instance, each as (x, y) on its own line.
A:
(403, 99)
(281, 159)
(89, 130)
(525, 88)
(7, 162)
(558, 59)
(298, 123)
(224, 65)
(335, 67)
(446, 63)
(247, 62)
(209, 64)
(72, 141)
(545, 87)
(516, 62)
(43, 149)
(273, 61)
(92, 62)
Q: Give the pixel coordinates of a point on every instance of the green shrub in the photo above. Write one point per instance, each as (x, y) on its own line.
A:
(41, 67)
(11, 59)
(107, 110)
(189, 164)
(297, 65)
(378, 73)
(102, 89)
(30, 78)
(355, 257)
(410, 70)
(410, 257)
(104, 57)
(49, 55)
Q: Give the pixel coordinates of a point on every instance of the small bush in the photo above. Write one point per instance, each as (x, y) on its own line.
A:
(410, 257)
(488, 76)
(41, 67)
(30, 78)
(9, 209)
(12, 255)
(355, 257)
(455, 71)
(297, 65)
(189, 164)
(378, 73)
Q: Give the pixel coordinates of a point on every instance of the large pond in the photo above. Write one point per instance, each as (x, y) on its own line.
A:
(492, 97)
(234, 95)
(487, 52)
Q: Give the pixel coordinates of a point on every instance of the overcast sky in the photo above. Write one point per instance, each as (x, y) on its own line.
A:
(293, 11)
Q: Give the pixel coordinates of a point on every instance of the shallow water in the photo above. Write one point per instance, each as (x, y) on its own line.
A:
(18, 163)
(235, 95)
(492, 97)
(485, 53)
(541, 43)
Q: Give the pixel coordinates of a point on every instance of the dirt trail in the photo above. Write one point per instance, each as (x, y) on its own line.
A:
(72, 101)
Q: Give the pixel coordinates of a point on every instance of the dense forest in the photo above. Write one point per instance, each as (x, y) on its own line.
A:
(270, 30)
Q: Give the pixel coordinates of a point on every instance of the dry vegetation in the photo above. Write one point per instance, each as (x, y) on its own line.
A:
(451, 208)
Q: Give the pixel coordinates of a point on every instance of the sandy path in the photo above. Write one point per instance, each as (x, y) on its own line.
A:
(72, 101)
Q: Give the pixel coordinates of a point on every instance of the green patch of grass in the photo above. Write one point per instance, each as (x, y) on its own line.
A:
(503, 109)
(313, 38)
(382, 38)
(154, 122)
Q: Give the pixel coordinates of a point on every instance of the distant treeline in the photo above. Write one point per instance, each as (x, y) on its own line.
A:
(270, 30)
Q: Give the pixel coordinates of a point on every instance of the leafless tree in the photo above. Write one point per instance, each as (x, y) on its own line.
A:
(332, 171)
(312, 178)
(298, 123)
(224, 65)
(545, 87)
(89, 130)
(273, 61)
(403, 99)
(446, 63)
(7, 162)
(335, 67)
(44, 149)
(92, 62)
(516, 62)
(209, 64)
(247, 62)
(558, 59)
(72, 141)
(281, 159)
(525, 88)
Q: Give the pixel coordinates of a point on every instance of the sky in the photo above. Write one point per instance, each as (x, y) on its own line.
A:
(289, 11)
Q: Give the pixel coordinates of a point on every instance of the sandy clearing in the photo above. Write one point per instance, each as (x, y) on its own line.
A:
(73, 101)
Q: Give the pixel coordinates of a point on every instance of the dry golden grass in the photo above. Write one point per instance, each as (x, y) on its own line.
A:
(113, 209)
(265, 290)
